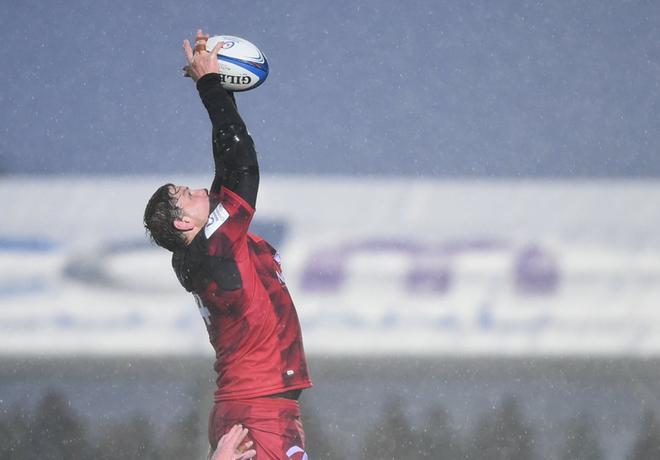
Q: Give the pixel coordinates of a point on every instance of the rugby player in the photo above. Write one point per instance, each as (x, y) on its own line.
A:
(235, 278)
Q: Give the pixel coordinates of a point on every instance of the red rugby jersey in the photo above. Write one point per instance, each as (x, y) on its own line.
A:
(252, 322)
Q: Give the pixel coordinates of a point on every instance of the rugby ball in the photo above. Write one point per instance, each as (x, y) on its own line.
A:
(242, 65)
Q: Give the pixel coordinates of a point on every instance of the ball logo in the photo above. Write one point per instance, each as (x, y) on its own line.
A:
(235, 79)
(242, 65)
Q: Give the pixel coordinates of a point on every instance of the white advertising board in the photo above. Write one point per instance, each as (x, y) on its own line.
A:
(375, 266)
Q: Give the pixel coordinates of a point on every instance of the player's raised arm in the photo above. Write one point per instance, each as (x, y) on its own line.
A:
(234, 154)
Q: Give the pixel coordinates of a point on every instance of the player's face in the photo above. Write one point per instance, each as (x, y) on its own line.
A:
(194, 204)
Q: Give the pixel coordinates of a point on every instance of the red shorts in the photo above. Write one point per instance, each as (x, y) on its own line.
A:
(273, 423)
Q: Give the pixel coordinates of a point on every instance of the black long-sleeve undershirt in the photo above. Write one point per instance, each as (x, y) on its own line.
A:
(234, 155)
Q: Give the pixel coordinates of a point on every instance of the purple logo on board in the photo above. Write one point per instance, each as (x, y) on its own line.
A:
(535, 269)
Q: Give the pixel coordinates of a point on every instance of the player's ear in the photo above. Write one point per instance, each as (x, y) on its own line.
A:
(183, 224)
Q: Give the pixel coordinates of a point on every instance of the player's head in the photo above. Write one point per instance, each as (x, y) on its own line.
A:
(174, 215)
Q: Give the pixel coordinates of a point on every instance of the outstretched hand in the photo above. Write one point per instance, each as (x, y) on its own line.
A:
(231, 446)
(200, 61)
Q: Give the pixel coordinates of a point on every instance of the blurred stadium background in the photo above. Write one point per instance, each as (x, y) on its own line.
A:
(463, 194)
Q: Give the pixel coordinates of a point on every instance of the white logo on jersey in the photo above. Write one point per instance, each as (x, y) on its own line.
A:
(216, 219)
(296, 450)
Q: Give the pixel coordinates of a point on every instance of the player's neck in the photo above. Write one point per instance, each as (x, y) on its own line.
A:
(192, 234)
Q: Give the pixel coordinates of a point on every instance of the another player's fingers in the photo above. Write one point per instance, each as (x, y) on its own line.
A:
(233, 435)
(241, 443)
(242, 434)
(247, 455)
(244, 447)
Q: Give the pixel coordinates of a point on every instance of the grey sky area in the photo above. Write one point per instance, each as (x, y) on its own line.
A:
(431, 88)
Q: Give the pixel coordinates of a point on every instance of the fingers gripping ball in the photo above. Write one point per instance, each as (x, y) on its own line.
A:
(242, 65)
(200, 45)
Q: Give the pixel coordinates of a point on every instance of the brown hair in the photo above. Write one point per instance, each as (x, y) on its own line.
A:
(159, 216)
